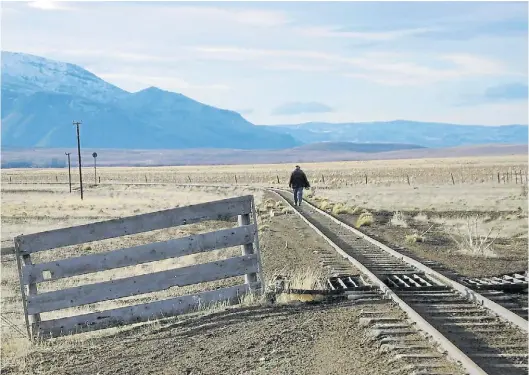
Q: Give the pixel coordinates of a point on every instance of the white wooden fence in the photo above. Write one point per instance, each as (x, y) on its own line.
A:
(248, 264)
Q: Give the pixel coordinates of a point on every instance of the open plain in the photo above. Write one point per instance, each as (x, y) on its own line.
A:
(470, 215)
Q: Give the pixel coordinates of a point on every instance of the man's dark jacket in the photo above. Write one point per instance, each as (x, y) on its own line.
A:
(298, 179)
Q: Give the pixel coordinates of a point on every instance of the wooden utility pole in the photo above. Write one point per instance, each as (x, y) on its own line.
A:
(94, 155)
(77, 123)
(69, 171)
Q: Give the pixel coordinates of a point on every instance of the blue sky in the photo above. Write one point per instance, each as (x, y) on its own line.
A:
(279, 62)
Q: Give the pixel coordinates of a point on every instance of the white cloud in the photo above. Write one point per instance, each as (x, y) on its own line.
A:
(476, 64)
(49, 5)
(258, 18)
(396, 69)
(335, 32)
(199, 50)
(134, 82)
(298, 67)
(261, 18)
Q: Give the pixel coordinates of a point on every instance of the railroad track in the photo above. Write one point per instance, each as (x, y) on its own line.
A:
(483, 336)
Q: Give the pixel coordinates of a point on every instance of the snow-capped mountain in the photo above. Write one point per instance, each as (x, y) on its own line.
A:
(41, 98)
(29, 74)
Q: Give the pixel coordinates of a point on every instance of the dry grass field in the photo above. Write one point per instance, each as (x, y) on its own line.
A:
(431, 216)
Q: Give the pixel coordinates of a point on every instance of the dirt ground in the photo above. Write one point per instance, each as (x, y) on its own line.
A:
(252, 339)
(308, 339)
(510, 254)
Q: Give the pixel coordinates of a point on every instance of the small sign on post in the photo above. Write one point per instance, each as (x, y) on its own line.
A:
(94, 155)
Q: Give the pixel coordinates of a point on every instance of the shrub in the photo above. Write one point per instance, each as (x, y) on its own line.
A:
(472, 242)
(324, 205)
(398, 220)
(365, 219)
(339, 209)
(413, 238)
(357, 210)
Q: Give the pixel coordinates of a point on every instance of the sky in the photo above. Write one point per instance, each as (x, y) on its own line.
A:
(292, 62)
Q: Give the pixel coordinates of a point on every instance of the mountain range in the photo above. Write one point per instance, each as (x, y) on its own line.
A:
(426, 134)
(41, 98)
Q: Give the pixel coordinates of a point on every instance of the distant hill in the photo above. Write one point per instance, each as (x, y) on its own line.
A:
(41, 98)
(355, 147)
(43, 157)
(406, 132)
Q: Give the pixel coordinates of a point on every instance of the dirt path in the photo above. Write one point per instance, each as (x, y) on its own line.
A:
(308, 339)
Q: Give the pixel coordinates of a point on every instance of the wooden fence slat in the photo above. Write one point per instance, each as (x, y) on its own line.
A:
(139, 313)
(130, 286)
(217, 210)
(247, 249)
(139, 254)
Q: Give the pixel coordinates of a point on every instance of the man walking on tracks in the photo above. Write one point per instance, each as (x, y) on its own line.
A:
(298, 181)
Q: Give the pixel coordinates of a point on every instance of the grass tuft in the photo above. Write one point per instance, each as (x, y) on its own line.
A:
(340, 209)
(365, 219)
(414, 238)
(357, 210)
(399, 220)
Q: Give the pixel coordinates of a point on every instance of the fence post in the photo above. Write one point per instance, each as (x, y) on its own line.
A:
(99, 179)
(145, 178)
(278, 180)
(366, 179)
(408, 178)
(247, 249)
(236, 179)
(498, 177)
(322, 178)
(256, 248)
(32, 321)
(453, 181)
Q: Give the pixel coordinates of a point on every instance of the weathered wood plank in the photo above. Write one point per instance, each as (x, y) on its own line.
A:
(139, 254)
(247, 249)
(135, 285)
(140, 313)
(22, 290)
(221, 209)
